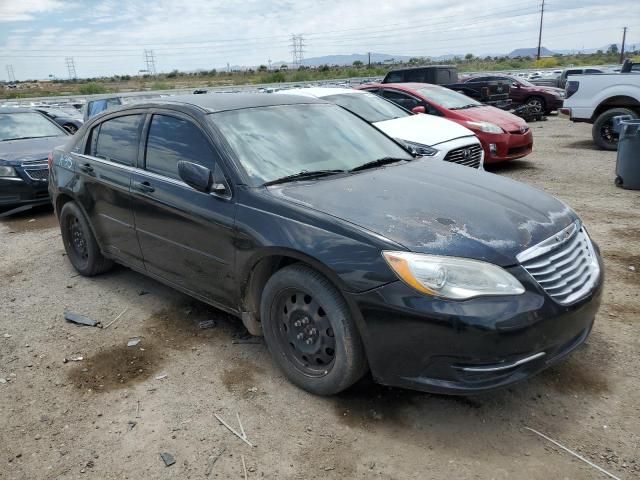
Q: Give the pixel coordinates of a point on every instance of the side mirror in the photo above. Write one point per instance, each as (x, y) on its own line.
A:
(419, 109)
(196, 176)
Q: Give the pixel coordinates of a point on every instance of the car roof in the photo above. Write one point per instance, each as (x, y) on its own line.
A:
(319, 92)
(407, 86)
(404, 69)
(219, 102)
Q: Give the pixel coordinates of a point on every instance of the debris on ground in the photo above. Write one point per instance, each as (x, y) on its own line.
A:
(80, 319)
(72, 359)
(6, 335)
(244, 467)
(162, 377)
(133, 341)
(167, 458)
(632, 268)
(580, 457)
(117, 318)
(213, 458)
(142, 292)
(242, 436)
(247, 340)
(131, 424)
(207, 324)
(3, 380)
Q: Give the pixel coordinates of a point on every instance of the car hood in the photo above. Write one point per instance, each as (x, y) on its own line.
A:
(17, 151)
(505, 120)
(425, 129)
(438, 208)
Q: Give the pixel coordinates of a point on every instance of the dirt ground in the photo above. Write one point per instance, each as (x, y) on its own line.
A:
(111, 414)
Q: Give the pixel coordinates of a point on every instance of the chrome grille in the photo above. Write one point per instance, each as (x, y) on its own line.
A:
(565, 265)
(37, 172)
(469, 156)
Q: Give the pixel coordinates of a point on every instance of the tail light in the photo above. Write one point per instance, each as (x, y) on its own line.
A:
(572, 87)
(50, 160)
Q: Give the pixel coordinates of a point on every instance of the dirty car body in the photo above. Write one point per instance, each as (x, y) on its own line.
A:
(223, 244)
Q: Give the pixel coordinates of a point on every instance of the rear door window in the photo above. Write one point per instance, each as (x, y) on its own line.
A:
(117, 139)
(415, 76)
(172, 139)
(401, 99)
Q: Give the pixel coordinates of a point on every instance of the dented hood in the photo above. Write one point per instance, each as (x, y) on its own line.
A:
(438, 208)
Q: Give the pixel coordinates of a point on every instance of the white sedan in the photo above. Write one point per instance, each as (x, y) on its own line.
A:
(428, 135)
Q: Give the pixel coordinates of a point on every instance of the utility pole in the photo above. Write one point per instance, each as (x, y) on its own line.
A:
(624, 38)
(540, 34)
(12, 77)
(150, 60)
(297, 49)
(71, 68)
(369, 54)
(269, 61)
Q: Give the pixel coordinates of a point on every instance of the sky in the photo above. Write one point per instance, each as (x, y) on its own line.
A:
(109, 37)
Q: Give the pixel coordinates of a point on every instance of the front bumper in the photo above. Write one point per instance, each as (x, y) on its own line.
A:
(440, 346)
(28, 188)
(508, 146)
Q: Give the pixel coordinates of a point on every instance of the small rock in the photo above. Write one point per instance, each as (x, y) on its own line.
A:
(161, 377)
(6, 335)
(327, 469)
(632, 268)
(37, 437)
(133, 342)
(3, 380)
(252, 389)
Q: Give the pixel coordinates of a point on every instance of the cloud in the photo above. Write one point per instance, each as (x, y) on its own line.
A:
(24, 10)
(210, 33)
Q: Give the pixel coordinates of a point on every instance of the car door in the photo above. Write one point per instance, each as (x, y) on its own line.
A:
(186, 236)
(104, 171)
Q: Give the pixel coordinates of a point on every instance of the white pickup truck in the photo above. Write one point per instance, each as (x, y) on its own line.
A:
(599, 97)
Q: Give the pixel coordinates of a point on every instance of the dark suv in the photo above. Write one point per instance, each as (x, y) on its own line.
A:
(320, 231)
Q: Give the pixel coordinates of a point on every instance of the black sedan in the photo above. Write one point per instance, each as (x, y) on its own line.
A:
(316, 229)
(26, 140)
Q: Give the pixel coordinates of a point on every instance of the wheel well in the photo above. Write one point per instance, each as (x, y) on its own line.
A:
(60, 201)
(618, 101)
(258, 278)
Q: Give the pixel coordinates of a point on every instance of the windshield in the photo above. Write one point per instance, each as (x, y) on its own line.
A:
(368, 106)
(273, 142)
(523, 82)
(14, 126)
(447, 98)
(58, 112)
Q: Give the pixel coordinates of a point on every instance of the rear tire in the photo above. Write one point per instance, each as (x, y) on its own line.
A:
(536, 105)
(80, 243)
(602, 131)
(310, 332)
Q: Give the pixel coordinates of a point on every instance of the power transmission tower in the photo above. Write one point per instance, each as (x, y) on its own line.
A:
(624, 38)
(297, 49)
(12, 77)
(71, 68)
(540, 34)
(150, 60)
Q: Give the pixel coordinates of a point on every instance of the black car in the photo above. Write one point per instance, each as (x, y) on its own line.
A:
(26, 140)
(315, 228)
(71, 121)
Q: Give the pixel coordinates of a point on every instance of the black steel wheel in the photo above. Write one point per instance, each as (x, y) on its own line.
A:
(304, 332)
(79, 242)
(310, 332)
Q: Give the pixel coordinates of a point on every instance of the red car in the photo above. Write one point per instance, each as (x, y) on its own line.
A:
(539, 98)
(503, 135)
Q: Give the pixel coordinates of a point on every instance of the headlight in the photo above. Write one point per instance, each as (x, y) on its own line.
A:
(486, 127)
(420, 149)
(8, 172)
(452, 277)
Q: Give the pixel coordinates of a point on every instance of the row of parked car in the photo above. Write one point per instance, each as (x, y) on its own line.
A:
(327, 222)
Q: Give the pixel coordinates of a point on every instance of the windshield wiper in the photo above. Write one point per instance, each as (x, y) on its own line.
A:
(378, 163)
(26, 138)
(302, 175)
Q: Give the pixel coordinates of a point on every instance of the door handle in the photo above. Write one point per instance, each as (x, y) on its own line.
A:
(87, 168)
(144, 187)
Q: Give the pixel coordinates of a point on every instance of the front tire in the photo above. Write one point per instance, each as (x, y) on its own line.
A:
(310, 332)
(602, 131)
(80, 243)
